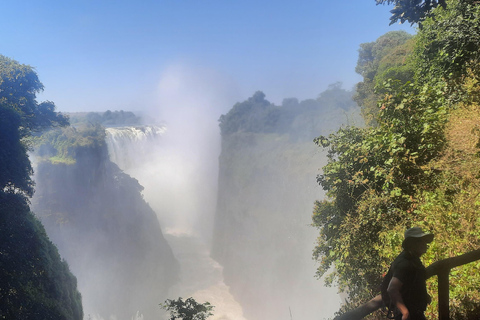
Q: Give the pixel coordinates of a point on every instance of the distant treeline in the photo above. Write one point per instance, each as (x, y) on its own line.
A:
(107, 118)
(301, 119)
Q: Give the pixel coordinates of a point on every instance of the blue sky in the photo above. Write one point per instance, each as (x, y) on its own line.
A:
(127, 55)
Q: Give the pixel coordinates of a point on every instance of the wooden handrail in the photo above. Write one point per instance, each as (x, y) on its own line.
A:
(450, 263)
(441, 269)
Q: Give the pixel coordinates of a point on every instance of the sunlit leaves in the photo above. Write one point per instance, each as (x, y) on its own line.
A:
(379, 61)
(371, 178)
(20, 116)
(407, 170)
(448, 46)
(412, 11)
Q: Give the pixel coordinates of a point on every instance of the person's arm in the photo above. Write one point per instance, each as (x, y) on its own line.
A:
(363, 310)
(394, 291)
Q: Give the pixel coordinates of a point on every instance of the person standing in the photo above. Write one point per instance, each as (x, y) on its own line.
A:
(407, 287)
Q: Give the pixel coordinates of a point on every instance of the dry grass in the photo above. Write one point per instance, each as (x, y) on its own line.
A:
(462, 155)
(463, 130)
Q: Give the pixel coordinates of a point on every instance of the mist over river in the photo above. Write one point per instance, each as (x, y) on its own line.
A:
(153, 212)
(180, 181)
(182, 193)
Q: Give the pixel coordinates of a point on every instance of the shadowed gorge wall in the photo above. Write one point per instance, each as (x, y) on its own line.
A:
(267, 187)
(262, 233)
(103, 227)
(35, 283)
(178, 181)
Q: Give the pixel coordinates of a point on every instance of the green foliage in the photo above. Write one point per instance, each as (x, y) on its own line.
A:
(107, 118)
(119, 118)
(396, 64)
(301, 120)
(35, 282)
(62, 145)
(370, 180)
(417, 166)
(371, 53)
(14, 163)
(20, 116)
(19, 85)
(254, 115)
(188, 309)
(386, 58)
(448, 46)
(412, 11)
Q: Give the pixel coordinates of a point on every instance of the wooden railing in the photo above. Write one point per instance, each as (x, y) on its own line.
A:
(442, 270)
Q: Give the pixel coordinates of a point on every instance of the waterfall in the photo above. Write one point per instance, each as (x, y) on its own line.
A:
(177, 177)
(181, 188)
(123, 142)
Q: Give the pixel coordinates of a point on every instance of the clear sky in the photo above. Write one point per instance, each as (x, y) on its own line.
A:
(94, 55)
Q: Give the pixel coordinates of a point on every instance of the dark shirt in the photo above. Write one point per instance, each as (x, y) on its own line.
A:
(411, 272)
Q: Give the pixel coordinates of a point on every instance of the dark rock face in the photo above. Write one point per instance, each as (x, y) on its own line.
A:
(108, 234)
(263, 236)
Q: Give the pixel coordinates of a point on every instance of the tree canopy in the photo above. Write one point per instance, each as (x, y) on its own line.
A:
(35, 282)
(301, 119)
(21, 116)
(378, 61)
(411, 11)
(189, 309)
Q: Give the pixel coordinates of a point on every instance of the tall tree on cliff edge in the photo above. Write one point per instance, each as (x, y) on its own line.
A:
(34, 282)
(20, 116)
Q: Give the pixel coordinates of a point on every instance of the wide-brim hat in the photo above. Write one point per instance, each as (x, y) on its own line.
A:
(417, 232)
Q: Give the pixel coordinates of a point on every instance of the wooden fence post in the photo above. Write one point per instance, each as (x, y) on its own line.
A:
(443, 295)
(442, 270)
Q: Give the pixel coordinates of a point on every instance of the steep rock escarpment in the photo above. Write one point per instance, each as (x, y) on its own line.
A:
(105, 230)
(267, 188)
(262, 234)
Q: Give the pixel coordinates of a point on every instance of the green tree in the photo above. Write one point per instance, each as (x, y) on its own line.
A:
(188, 309)
(386, 57)
(34, 281)
(448, 48)
(254, 115)
(302, 120)
(370, 179)
(21, 116)
(412, 11)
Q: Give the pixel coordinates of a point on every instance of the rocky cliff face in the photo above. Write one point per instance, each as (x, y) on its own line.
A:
(267, 188)
(263, 236)
(107, 233)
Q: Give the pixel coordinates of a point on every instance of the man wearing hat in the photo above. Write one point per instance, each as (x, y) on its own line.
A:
(407, 287)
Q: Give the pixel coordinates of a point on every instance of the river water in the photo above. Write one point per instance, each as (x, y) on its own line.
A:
(180, 186)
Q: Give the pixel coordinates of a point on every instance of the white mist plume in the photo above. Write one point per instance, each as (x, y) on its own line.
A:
(183, 188)
(177, 164)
